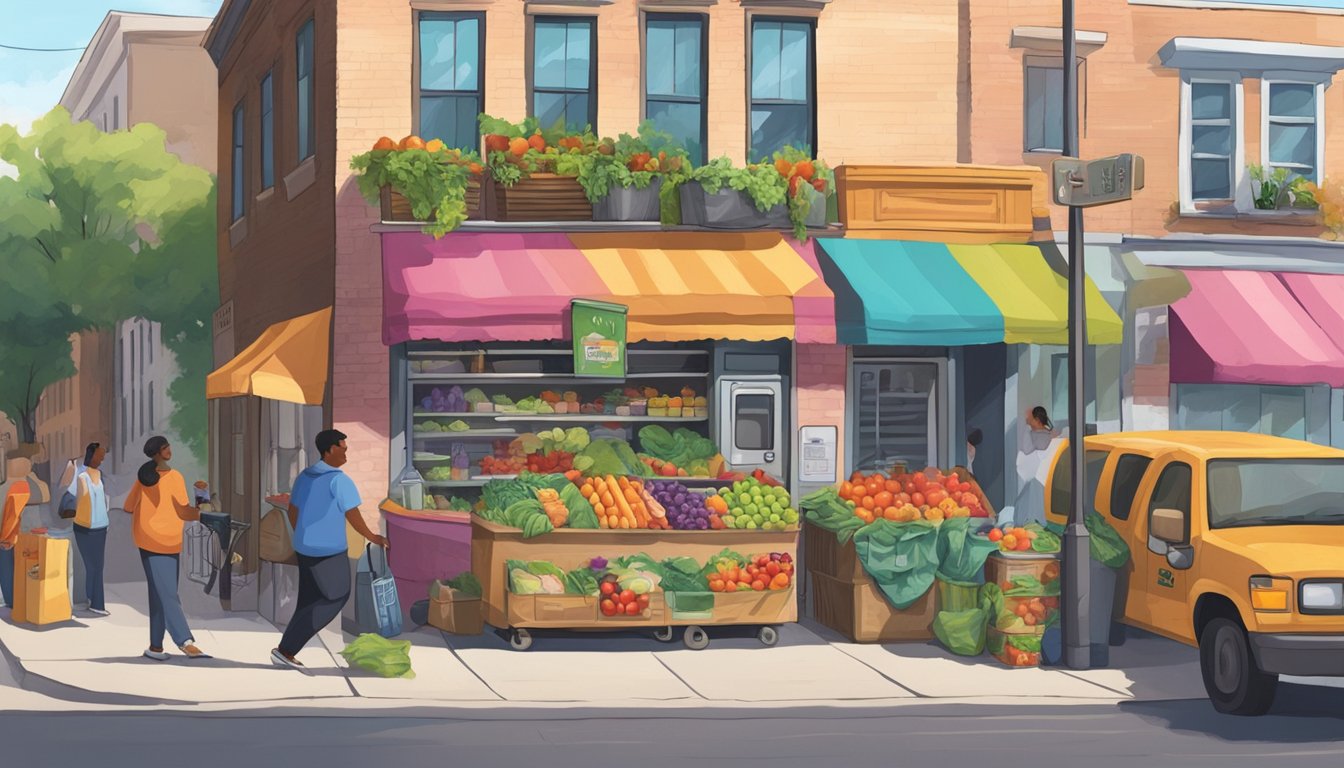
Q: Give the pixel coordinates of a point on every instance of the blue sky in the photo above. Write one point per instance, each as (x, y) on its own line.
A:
(31, 83)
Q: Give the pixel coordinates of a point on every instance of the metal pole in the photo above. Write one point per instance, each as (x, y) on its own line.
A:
(1076, 548)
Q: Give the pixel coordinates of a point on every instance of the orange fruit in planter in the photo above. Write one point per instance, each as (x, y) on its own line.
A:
(476, 169)
(518, 147)
(435, 145)
(819, 185)
(412, 142)
(384, 143)
(495, 142)
(537, 142)
(784, 167)
(805, 170)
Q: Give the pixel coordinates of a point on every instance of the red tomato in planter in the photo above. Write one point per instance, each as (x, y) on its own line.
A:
(608, 588)
(608, 608)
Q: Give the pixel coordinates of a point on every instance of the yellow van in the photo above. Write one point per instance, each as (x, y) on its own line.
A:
(1237, 544)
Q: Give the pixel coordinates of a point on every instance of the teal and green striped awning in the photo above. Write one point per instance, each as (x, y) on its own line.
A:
(908, 293)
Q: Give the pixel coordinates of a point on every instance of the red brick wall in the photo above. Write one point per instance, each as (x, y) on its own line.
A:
(821, 371)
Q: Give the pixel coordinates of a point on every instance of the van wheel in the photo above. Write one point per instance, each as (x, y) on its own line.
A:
(1235, 683)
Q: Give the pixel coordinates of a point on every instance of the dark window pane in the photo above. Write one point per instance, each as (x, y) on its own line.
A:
(267, 134)
(682, 121)
(1173, 489)
(1211, 179)
(765, 50)
(687, 57)
(793, 62)
(549, 108)
(1129, 472)
(451, 119)
(1292, 100)
(239, 176)
(1292, 144)
(659, 66)
(1211, 101)
(578, 55)
(438, 54)
(304, 89)
(1061, 487)
(777, 126)
(549, 56)
(754, 422)
(1211, 140)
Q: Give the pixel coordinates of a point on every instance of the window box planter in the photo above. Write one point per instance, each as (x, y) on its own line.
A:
(543, 197)
(729, 209)
(480, 198)
(630, 203)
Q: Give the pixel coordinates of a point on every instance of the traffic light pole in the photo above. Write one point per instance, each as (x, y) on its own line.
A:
(1076, 547)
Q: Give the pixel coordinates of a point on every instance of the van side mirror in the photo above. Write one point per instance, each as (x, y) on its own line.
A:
(1168, 525)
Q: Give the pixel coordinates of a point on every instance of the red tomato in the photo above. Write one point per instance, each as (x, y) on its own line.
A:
(995, 534)
(608, 608)
(901, 499)
(964, 487)
(917, 499)
(632, 609)
(608, 588)
(642, 601)
(882, 499)
(846, 490)
(909, 488)
(627, 597)
(874, 485)
(892, 486)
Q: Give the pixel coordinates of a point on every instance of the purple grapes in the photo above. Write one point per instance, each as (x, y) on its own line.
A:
(686, 510)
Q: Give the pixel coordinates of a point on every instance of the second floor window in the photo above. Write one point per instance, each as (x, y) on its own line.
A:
(267, 133)
(675, 79)
(451, 89)
(564, 72)
(783, 91)
(1212, 140)
(238, 176)
(1291, 129)
(1043, 111)
(307, 99)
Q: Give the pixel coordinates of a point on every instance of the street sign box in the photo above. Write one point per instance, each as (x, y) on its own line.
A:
(1084, 183)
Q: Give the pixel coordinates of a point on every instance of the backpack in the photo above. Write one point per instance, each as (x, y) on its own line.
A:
(68, 504)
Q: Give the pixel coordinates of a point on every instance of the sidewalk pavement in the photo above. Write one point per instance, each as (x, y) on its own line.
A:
(96, 663)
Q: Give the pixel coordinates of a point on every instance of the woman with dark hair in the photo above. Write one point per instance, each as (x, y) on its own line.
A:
(159, 508)
(1036, 446)
(91, 520)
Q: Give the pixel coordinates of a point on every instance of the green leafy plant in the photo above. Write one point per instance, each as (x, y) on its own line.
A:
(1273, 190)
(761, 183)
(516, 150)
(433, 182)
(803, 171)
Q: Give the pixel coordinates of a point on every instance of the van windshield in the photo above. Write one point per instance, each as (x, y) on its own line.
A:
(1251, 492)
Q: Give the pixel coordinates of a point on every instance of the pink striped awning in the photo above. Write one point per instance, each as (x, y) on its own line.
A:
(1243, 327)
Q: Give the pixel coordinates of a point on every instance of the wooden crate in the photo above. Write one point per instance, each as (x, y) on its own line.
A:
(999, 569)
(861, 612)
(458, 617)
(772, 606)
(825, 554)
(479, 199)
(492, 546)
(543, 197)
(578, 612)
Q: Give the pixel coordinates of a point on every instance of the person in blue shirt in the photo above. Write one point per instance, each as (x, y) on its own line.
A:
(91, 519)
(323, 499)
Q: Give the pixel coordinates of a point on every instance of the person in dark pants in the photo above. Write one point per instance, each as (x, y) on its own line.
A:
(91, 520)
(323, 500)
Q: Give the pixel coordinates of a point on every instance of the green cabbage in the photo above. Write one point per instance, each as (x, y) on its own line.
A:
(613, 457)
(522, 582)
(383, 657)
(475, 396)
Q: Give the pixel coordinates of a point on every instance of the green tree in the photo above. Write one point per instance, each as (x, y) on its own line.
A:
(97, 228)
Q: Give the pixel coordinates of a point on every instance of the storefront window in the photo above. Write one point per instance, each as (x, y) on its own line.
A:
(896, 413)
(753, 422)
(1279, 411)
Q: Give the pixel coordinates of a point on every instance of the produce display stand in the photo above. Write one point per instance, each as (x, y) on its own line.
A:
(492, 546)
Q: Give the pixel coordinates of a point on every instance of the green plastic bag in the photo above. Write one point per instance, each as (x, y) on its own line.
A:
(1105, 543)
(825, 509)
(901, 557)
(961, 553)
(383, 657)
(957, 595)
(962, 632)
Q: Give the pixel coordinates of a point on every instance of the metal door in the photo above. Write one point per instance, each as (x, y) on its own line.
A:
(751, 423)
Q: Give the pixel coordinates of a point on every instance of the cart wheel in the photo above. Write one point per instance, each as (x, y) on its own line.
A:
(696, 638)
(663, 635)
(520, 639)
(768, 636)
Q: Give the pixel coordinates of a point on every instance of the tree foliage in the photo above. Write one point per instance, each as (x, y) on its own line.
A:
(97, 228)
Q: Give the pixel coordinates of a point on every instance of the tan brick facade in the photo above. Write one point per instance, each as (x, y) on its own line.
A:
(1131, 102)
(820, 374)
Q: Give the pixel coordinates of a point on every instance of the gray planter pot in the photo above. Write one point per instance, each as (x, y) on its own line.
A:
(728, 209)
(816, 215)
(629, 203)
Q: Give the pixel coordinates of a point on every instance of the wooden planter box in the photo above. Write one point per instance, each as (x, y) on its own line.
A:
(480, 201)
(728, 209)
(543, 197)
(630, 204)
(860, 611)
(825, 554)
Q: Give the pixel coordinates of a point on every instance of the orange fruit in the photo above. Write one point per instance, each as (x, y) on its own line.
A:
(892, 513)
(518, 147)
(805, 169)
(893, 486)
(869, 503)
(412, 142)
(384, 143)
(435, 145)
(784, 167)
(536, 142)
(846, 490)
(882, 499)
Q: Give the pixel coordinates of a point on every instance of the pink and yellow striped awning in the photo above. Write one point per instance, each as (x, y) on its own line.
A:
(679, 286)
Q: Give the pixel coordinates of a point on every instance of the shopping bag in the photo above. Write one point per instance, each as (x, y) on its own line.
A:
(377, 607)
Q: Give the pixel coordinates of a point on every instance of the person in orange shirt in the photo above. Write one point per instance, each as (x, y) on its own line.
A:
(159, 508)
(16, 498)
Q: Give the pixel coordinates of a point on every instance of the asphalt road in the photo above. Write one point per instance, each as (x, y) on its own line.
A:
(1305, 729)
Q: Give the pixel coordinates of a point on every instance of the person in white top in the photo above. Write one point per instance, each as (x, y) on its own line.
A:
(1037, 442)
(91, 520)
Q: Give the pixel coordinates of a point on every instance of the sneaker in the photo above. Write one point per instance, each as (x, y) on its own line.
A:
(156, 654)
(192, 652)
(99, 612)
(281, 660)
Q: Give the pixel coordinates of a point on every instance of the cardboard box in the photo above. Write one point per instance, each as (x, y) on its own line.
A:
(555, 611)
(459, 615)
(41, 587)
(999, 569)
(772, 606)
(860, 611)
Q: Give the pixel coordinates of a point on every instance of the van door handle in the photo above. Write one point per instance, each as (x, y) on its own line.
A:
(769, 455)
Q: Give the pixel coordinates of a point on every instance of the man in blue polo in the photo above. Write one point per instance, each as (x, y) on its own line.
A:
(323, 500)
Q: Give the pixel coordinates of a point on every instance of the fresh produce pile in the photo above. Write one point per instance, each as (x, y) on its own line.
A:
(686, 509)
(929, 495)
(772, 571)
(618, 600)
(536, 504)
(622, 503)
(1029, 538)
(680, 453)
(434, 426)
(752, 504)
(630, 401)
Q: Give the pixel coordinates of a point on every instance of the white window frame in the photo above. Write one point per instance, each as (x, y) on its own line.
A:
(1293, 78)
(1241, 187)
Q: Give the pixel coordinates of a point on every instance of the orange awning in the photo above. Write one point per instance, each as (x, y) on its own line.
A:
(288, 362)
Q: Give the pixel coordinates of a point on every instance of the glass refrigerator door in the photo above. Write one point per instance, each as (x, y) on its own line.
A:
(895, 415)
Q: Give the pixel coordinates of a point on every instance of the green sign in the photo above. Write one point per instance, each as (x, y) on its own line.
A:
(598, 330)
